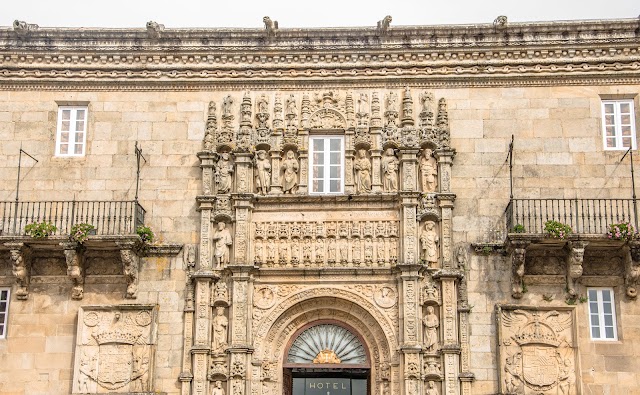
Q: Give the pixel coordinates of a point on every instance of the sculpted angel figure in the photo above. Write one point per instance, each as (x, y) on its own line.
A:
(263, 172)
(290, 168)
(390, 171)
(363, 172)
(224, 169)
(429, 171)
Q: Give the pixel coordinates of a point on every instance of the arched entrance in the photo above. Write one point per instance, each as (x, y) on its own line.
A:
(326, 357)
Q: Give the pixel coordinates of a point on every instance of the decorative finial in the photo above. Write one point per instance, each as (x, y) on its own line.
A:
(383, 25)
(154, 29)
(500, 22)
(270, 26)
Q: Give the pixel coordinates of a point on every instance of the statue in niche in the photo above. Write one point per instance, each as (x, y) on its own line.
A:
(290, 169)
(430, 240)
(295, 252)
(263, 104)
(291, 110)
(431, 324)
(222, 241)
(363, 104)
(344, 251)
(283, 252)
(224, 169)
(306, 250)
(429, 171)
(362, 166)
(319, 251)
(219, 338)
(271, 251)
(431, 389)
(331, 251)
(392, 99)
(217, 389)
(390, 171)
(226, 106)
(263, 172)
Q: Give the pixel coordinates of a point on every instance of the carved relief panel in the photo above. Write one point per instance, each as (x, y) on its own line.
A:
(537, 350)
(115, 349)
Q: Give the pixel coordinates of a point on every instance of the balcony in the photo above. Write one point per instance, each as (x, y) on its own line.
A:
(585, 257)
(110, 256)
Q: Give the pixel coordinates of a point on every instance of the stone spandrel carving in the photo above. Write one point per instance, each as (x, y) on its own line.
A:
(536, 350)
(362, 167)
(263, 172)
(115, 349)
(222, 242)
(429, 244)
(390, 167)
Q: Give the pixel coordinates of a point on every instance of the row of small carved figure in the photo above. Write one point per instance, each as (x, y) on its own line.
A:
(306, 252)
(290, 168)
(342, 229)
(346, 108)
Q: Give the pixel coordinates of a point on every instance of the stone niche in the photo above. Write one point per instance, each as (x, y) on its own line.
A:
(537, 350)
(115, 349)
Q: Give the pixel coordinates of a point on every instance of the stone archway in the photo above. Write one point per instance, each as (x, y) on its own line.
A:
(284, 321)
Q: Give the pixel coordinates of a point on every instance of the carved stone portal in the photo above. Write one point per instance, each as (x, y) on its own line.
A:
(115, 349)
(537, 350)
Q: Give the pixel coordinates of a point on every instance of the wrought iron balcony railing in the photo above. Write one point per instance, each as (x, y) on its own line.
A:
(108, 217)
(586, 216)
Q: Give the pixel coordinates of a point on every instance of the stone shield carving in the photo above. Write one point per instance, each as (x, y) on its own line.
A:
(537, 350)
(115, 349)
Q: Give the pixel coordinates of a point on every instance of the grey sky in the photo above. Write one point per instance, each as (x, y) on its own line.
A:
(325, 13)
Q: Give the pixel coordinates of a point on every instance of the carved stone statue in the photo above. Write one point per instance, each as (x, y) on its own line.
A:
(362, 166)
(222, 241)
(217, 389)
(224, 169)
(431, 324)
(431, 389)
(429, 240)
(429, 171)
(140, 371)
(219, 337)
(290, 169)
(363, 104)
(390, 171)
(263, 172)
(226, 106)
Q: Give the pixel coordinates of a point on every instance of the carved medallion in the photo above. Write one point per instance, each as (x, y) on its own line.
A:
(385, 297)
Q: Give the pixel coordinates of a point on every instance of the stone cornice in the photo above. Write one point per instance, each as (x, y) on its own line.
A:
(526, 54)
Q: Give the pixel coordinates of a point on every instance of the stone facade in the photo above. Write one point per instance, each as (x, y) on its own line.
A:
(411, 259)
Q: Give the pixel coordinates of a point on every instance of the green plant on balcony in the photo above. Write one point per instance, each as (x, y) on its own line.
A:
(39, 230)
(622, 231)
(145, 233)
(518, 228)
(81, 232)
(557, 230)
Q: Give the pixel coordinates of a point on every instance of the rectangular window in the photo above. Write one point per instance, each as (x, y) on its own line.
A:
(72, 131)
(326, 164)
(4, 311)
(602, 314)
(618, 124)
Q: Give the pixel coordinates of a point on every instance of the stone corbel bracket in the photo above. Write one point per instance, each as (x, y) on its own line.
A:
(632, 270)
(75, 267)
(518, 256)
(21, 268)
(130, 267)
(575, 259)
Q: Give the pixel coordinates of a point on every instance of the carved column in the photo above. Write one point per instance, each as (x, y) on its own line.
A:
(376, 183)
(445, 201)
(350, 154)
(186, 376)
(21, 268)
(202, 328)
(244, 172)
(75, 267)
(240, 346)
(449, 325)
(408, 169)
(445, 161)
(276, 186)
(410, 327)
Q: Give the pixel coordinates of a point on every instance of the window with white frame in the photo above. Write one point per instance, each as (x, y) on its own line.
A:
(326, 164)
(71, 134)
(602, 314)
(618, 124)
(4, 311)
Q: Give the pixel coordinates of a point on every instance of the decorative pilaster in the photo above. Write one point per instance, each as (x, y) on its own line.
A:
(21, 268)
(240, 348)
(241, 237)
(244, 172)
(207, 164)
(75, 267)
(276, 186)
(408, 169)
(201, 340)
(449, 322)
(376, 182)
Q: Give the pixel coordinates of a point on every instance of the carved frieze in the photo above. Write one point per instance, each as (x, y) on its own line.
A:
(115, 349)
(536, 349)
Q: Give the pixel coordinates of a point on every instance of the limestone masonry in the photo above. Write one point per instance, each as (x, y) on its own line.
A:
(385, 210)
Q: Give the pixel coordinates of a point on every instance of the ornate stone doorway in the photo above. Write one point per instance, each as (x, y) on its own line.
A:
(326, 358)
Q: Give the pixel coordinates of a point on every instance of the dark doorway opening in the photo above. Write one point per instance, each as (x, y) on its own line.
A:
(328, 381)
